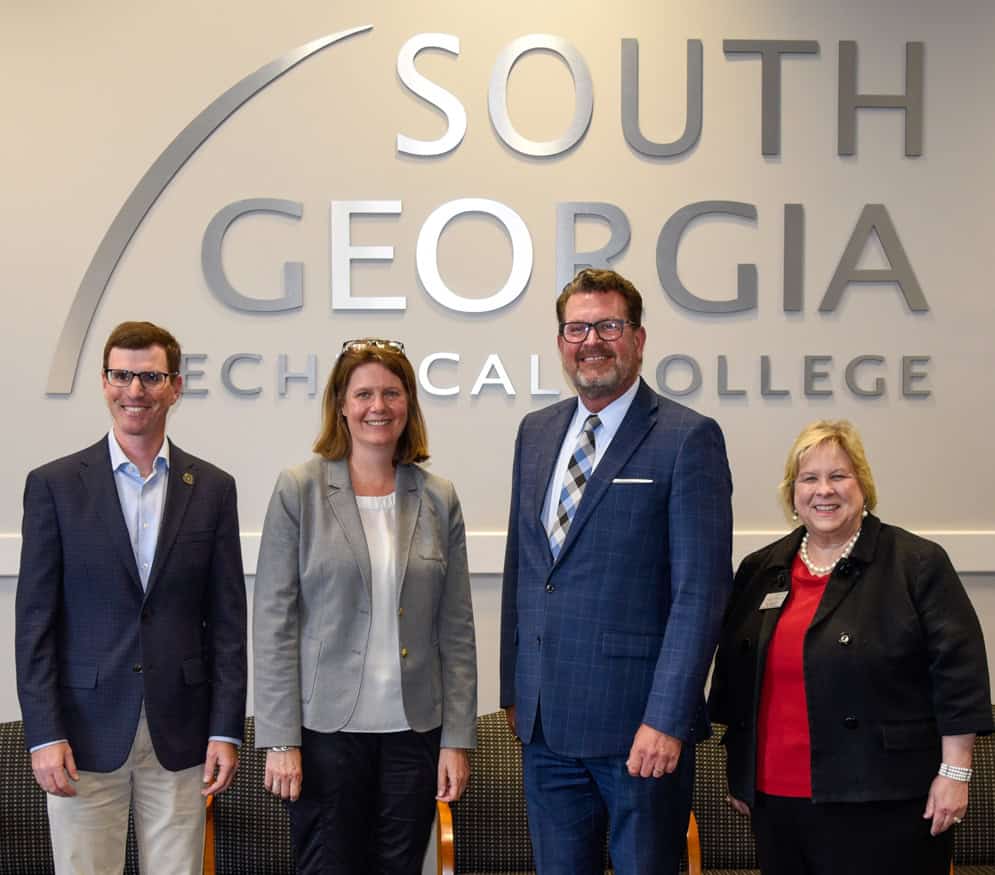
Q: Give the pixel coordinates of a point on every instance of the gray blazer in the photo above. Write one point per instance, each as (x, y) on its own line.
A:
(312, 606)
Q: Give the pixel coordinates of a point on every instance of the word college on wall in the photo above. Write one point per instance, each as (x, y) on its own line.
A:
(241, 372)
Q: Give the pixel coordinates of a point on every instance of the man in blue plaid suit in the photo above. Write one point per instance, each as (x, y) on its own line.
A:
(616, 575)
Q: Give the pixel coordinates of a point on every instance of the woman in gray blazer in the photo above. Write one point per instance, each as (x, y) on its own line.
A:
(364, 655)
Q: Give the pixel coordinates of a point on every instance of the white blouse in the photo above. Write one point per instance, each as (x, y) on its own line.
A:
(380, 707)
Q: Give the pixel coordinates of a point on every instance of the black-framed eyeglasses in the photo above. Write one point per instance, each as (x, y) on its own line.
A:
(606, 329)
(150, 379)
(373, 343)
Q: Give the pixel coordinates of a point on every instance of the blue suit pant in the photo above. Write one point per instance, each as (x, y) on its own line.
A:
(572, 802)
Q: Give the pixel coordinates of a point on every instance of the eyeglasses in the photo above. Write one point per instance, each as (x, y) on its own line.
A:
(150, 379)
(373, 343)
(606, 329)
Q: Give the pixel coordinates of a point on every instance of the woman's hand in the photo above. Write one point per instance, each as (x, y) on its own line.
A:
(283, 773)
(454, 772)
(947, 799)
(738, 805)
(946, 803)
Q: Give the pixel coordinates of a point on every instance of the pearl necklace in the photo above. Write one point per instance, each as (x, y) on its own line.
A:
(823, 570)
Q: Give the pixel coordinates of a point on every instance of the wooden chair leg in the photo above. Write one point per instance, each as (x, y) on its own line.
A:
(694, 847)
(445, 849)
(209, 861)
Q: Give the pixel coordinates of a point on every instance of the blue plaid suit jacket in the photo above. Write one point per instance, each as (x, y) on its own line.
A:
(620, 630)
(91, 644)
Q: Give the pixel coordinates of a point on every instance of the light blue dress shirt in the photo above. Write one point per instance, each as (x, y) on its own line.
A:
(142, 501)
(611, 418)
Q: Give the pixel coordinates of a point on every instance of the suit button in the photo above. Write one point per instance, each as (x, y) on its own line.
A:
(744, 644)
(137, 668)
(146, 614)
(550, 587)
(851, 722)
(404, 652)
(400, 612)
(844, 638)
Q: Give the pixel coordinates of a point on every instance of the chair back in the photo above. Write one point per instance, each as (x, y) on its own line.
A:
(490, 825)
(251, 826)
(974, 839)
(726, 837)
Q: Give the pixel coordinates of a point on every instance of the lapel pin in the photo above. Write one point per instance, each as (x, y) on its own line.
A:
(188, 478)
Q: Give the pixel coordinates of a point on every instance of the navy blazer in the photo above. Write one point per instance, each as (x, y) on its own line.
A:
(894, 659)
(620, 630)
(91, 644)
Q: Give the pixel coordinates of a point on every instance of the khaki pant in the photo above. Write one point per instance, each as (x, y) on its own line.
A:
(89, 830)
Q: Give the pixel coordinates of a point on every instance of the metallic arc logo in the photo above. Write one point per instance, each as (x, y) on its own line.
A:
(65, 361)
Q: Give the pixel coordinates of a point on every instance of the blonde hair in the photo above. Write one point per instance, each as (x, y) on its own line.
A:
(334, 440)
(828, 431)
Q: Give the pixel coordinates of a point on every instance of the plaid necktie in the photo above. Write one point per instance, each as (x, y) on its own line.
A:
(577, 474)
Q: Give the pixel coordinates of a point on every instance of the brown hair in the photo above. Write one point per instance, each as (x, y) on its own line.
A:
(142, 335)
(593, 280)
(833, 431)
(334, 441)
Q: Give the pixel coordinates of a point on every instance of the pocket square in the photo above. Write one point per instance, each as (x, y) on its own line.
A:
(631, 480)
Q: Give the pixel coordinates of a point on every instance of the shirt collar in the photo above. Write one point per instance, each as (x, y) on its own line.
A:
(119, 458)
(611, 416)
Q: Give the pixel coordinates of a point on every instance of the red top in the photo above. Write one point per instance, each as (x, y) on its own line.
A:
(784, 752)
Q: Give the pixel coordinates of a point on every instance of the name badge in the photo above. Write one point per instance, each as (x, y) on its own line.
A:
(773, 600)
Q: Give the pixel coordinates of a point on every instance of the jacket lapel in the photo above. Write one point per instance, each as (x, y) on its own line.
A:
(408, 490)
(847, 572)
(180, 486)
(342, 501)
(547, 452)
(98, 480)
(780, 582)
(638, 421)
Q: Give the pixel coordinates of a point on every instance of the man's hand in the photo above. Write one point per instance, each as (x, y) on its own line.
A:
(509, 715)
(653, 753)
(454, 772)
(220, 766)
(284, 774)
(54, 768)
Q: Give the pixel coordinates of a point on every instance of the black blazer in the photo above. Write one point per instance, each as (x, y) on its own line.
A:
(91, 644)
(893, 661)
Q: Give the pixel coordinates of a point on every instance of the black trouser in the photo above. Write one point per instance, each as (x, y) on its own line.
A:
(797, 837)
(367, 802)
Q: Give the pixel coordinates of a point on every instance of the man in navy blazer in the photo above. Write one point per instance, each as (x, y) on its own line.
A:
(616, 575)
(130, 627)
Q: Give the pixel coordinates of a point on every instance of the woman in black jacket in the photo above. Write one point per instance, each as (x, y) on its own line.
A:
(852, 677)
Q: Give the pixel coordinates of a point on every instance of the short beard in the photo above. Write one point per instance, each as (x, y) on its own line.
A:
(597, 387)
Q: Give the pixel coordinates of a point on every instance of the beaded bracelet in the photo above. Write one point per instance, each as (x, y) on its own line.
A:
(956, 773)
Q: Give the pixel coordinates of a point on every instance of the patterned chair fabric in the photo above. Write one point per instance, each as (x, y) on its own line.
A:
(251, 826)
(974, 839)
(490, 829)
(252, 833)
(25, 843)
(726, 838)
